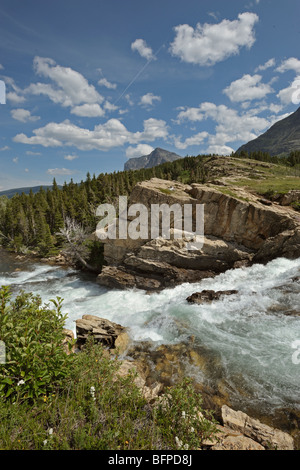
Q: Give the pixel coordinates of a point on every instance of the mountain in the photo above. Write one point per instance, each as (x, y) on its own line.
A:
(35, 189)
(281, 138)
(156, 157)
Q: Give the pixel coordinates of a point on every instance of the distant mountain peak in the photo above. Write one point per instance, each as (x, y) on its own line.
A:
(282, 138)
(156, 157)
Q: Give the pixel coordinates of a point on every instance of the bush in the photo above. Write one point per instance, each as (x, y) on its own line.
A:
(36, 362)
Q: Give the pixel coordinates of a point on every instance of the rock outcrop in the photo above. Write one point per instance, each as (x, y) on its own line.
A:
(111, 335)
(239, 229)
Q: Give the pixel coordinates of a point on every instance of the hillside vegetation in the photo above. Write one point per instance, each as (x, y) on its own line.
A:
(31, 222)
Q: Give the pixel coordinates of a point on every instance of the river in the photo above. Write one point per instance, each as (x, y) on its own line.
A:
(254, 333)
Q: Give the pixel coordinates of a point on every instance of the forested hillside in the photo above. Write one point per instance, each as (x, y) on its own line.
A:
(32, 222)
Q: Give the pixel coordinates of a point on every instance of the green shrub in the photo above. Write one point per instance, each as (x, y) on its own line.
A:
(35, 362)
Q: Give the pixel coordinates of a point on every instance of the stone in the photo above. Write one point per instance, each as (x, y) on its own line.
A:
(239, 229)
(208, 296)
(268, 437)
(68, 341)
(111, 335)
(237, 443)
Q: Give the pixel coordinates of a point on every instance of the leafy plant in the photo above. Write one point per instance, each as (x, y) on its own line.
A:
(36, 362)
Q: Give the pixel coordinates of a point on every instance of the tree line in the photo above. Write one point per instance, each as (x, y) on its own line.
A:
(36, 221)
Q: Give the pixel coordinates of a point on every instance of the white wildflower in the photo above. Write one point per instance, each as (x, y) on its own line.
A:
(92, 392)
(21, 382)
(50, 431)
(178, 442)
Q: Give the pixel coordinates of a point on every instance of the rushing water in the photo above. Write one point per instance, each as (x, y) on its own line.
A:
(253, 333)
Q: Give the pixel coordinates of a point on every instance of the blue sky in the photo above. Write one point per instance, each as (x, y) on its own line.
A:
(92, 83)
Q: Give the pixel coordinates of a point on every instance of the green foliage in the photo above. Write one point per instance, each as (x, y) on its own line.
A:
(32, 333)
(181, 419)
(54, 401)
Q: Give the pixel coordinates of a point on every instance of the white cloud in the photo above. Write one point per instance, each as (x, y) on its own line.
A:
(148, 99)
(2, 149)
(139, 151)
(14, 97)
(111, 134)
(29, 152)
(196, 139)
(141, 47)
(16, 159)
(59, 171)
(290, 64)
(69, 88)
(290, 94)
(107, 84)
(211, 43)
(230, 125)
(219, 149)
(266, 65)
(247, 88)
(88, 110)
(70, 157)
(23, 115)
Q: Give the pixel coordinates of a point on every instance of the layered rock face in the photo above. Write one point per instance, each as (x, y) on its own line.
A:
(238, 230)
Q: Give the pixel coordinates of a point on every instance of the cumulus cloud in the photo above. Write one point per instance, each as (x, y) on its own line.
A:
(148, 99)
(111, 134)
(69, 87)
(290, 64)
(196, 139)
(230, 125)
(70, 158)
(88, 110)
(23, 115)
(247, 88)
(290, 94)
(139, 151)
(208, 44)
(107, 84)
(266, 65)
(141, 47)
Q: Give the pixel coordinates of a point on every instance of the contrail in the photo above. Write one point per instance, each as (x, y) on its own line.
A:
(139, 73)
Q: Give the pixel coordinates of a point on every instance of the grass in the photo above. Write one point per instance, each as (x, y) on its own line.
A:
(79, 401)
(97, 410)
(270, 185)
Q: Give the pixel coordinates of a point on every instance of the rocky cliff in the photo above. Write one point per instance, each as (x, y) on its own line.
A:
(282, 138)
(239, 228)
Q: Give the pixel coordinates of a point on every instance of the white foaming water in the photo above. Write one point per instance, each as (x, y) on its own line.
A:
(251, 332)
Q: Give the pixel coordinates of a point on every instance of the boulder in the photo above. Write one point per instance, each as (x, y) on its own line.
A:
(208, 296)
(111, 335)
(267, 436)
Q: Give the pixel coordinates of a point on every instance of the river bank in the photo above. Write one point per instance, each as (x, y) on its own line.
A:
(239, 347)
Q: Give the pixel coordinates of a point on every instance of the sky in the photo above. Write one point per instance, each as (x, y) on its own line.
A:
(85, 85)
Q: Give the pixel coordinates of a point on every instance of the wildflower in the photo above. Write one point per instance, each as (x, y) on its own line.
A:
(183, 414)
(92, 392)
(178, 442)
(45, 442)
(50, 431)
(21, 382)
